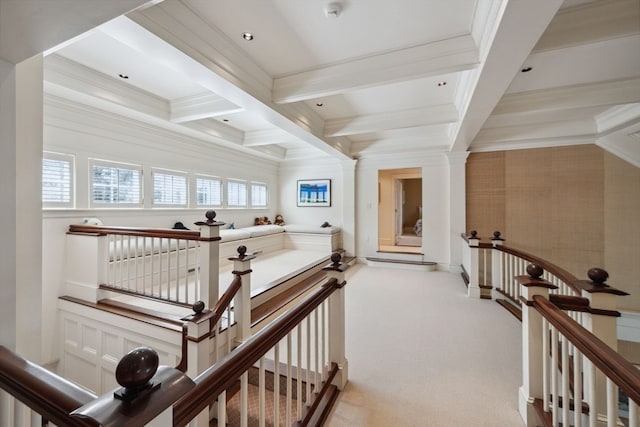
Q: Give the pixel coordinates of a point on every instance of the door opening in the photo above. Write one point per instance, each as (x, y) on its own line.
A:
(400, 210)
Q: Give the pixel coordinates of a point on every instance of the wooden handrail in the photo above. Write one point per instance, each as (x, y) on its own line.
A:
(44, 392)
(559, 272)
(617, 368)
(162, 233)
(223, 374)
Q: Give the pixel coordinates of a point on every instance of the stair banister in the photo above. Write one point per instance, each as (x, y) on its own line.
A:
(225, 373)
(473, 289)
(337, 354)
(210, 262)
(533, 346)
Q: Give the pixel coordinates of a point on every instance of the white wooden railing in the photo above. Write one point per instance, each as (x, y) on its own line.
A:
(178, 266)
(559, 372)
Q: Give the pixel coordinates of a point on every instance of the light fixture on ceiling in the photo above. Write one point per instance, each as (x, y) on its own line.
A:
(247, 36)
(443, 83)
(123, 76)
(225, 120)
(319, 104)
(526, 69)
(332, 10)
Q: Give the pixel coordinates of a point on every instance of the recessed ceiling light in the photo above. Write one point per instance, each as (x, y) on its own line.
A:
(225, 120)
(247, 36)
(123, 76)
(319, 104)
(442, 83)
(526, 69)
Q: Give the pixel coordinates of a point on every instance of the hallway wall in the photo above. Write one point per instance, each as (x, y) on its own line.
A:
(576, 205)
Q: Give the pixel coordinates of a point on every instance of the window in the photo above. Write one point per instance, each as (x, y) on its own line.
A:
(258, 194)
(115, 184)
(208, 191)
(236, 193)
(57, 180)
(169, 188)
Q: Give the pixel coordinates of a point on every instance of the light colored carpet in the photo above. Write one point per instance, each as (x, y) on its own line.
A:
(421, 353)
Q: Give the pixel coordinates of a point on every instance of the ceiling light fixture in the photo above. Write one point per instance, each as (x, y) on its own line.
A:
(319, 104)
(526, 69)
(123, 76)
(442, 83)
(247, 36)
(332, 10)
(225, 120)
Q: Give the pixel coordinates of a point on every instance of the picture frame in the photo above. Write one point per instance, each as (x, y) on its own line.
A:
(314, 192)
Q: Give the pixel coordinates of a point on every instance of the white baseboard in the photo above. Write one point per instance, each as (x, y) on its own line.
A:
(629, 326)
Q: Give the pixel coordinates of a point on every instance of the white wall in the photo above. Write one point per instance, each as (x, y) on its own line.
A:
(90, 133)
(323, 168)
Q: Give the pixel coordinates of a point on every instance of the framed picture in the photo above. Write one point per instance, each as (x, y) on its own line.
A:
(314, 192)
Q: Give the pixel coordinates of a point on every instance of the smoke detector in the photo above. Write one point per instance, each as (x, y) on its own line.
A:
(332, 10)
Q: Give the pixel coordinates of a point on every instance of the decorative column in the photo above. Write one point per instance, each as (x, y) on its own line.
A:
(209, 258)
(337, 321)
(532, 342)
(496, 265)
(601, 321)
(242, 299)
(473, 289)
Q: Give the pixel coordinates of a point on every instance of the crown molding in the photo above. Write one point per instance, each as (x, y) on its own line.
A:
(617, 118)
(532, 143)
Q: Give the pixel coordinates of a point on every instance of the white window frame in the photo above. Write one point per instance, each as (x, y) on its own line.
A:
(175, 178)
(211, 179)
(259, 185)
(69, 182)
(120, 166)
(231, 193)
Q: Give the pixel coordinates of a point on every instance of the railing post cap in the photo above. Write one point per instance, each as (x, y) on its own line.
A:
(336, 264)
(496, 236)
(210, 215)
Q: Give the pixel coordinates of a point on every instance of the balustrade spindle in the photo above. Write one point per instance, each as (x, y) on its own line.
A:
(299, 374)
(289, 379)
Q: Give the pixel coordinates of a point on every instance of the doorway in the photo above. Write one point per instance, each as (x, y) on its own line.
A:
(400, 210)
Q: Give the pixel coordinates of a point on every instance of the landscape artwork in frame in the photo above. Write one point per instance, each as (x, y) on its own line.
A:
(314, 192)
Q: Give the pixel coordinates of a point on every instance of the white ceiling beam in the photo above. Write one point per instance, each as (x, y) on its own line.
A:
(441, 57)
(590, 22)
(70, 79)
(267, 137)
(392, 120)
(201, 106)
(190, 45)
(519, 27)
(218, 130)
(623, 91)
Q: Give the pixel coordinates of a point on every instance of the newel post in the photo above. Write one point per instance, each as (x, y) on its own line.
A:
(146, 397)
(337, 352)
(242, 299)
(532, 342)
(209, 258)
(496, 264)
(601, 321)
(473, 290)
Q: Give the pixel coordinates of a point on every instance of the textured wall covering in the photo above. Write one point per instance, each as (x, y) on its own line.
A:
(577, 206)
(622, 228)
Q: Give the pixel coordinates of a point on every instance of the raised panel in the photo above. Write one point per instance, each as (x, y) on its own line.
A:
(89, 340)
(80, 371)
(71, 332)
(111, 346)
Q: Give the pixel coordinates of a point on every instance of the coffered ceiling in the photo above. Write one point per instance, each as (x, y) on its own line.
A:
(351, 79)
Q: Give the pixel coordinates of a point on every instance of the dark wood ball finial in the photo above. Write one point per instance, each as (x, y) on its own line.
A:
(534, 271)
(198, 307)
(474, 234)
(210, 214)
(496, 235)
(242, 251)
(134, 372)
(336, 258)
(598, 276)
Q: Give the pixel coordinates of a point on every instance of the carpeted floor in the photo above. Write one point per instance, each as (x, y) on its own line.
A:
(421, 353)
